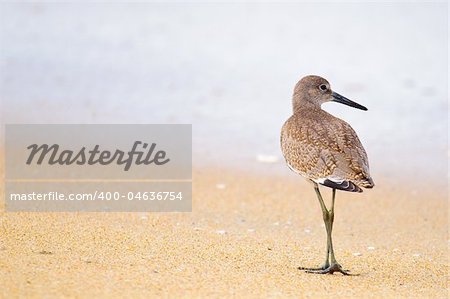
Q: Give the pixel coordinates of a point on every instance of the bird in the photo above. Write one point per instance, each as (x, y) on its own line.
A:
(326, 151)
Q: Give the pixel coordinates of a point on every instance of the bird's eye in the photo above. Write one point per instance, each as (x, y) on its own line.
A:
(323, 87)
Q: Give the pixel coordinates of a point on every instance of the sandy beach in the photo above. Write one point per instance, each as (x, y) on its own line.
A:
(246, 237)
(229, 69)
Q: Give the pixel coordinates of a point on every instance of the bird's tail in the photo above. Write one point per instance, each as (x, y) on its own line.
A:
(344, 185)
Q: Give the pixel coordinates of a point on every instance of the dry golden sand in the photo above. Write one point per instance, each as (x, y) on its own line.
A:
(245, 240)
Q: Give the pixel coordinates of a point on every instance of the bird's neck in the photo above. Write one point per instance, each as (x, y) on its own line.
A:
(299, 103)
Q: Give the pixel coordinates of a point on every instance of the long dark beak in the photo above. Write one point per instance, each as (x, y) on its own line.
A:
(343, 100)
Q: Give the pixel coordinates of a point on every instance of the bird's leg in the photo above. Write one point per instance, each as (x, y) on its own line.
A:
(326, 264)
(331, 221)
(328, 218)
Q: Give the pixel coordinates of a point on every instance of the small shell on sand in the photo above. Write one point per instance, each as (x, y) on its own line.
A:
(221, 186)
(221, 232)
(307, 230)
(267, 158)
(370, 248)
(357, 253)
(86, 260)
(251, 230)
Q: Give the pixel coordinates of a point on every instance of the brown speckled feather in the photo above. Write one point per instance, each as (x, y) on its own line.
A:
(324, 148)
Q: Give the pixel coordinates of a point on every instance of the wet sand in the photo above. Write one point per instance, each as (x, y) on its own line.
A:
(246, 237)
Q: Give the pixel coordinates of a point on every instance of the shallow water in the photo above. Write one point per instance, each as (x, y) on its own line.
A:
(229, 69)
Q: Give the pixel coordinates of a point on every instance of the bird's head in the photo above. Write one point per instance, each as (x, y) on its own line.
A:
(317, 90)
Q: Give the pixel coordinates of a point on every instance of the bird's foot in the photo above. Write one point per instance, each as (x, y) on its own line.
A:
(330, 270)
(323, 267)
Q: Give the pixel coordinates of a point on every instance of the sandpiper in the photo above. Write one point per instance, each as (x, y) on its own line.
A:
(325, 150)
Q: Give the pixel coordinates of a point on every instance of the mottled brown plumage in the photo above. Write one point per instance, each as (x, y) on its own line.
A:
(319, 146)
(325, 150)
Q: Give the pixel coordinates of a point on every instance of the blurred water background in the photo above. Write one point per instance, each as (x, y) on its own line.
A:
(229, 69)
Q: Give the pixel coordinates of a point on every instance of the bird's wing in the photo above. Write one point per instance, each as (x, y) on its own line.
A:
(328, 153)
